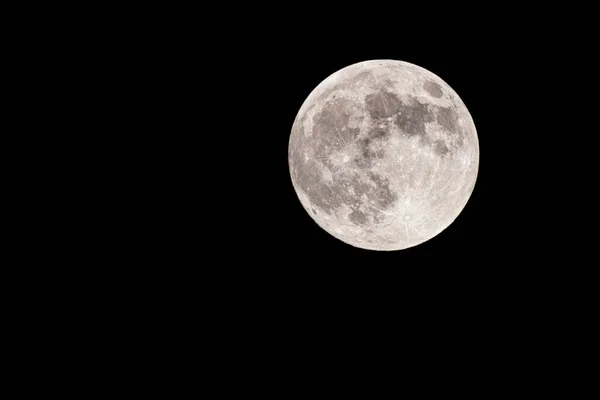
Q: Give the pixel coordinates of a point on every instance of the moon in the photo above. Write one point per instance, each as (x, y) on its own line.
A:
(383, 155)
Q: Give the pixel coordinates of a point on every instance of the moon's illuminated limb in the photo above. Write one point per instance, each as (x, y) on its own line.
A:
(383, 155)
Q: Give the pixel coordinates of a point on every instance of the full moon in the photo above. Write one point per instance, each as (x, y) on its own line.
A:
(383, 155)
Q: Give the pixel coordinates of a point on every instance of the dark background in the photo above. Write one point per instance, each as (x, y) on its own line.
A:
(187, 233)
(274, 69)
(238, 237)
(158, 228)
(232, 84)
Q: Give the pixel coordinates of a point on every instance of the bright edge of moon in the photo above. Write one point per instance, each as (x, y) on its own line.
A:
(383, 155)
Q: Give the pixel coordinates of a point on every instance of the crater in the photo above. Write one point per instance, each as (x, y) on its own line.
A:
(433, 89)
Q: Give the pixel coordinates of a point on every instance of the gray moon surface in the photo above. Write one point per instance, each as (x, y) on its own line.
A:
(383, 155)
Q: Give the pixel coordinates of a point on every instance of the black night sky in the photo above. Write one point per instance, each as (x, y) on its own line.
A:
(211, 241)
(240, 85)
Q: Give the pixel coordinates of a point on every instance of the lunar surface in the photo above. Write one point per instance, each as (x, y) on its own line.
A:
(383, 155)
